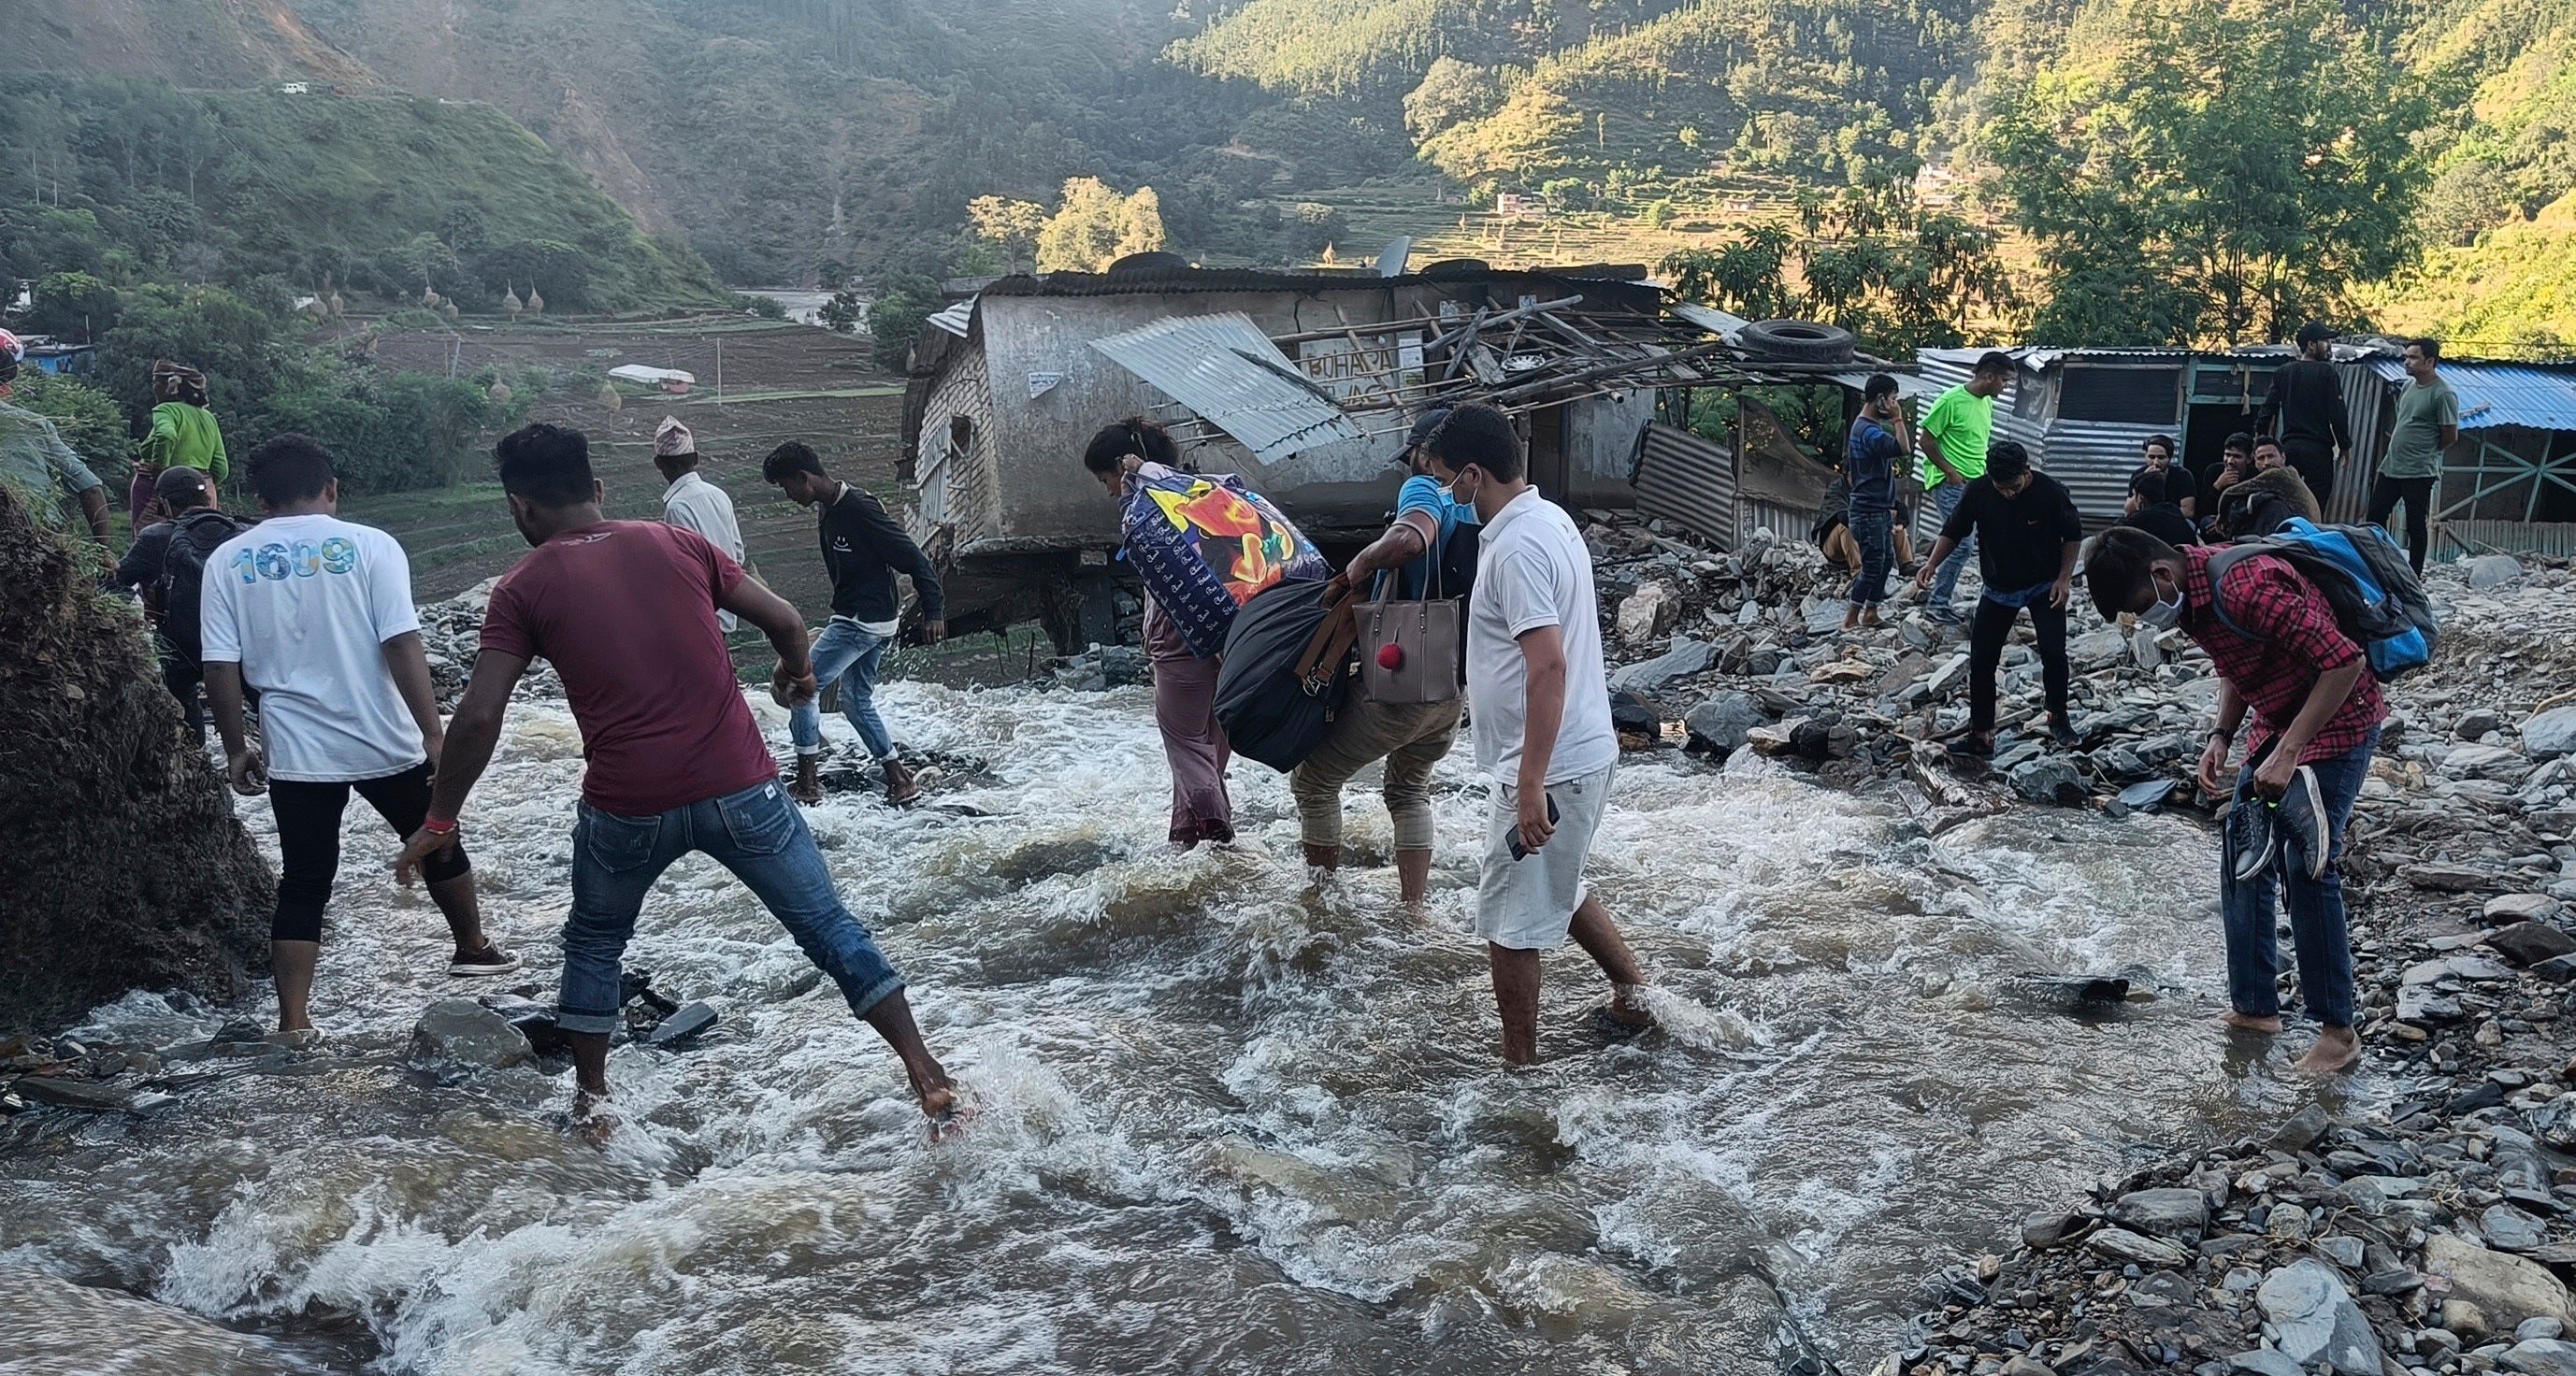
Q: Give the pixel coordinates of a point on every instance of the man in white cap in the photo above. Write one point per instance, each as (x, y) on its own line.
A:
(693, 503)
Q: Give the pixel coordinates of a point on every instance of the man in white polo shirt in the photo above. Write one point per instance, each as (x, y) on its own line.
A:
(1540, 705)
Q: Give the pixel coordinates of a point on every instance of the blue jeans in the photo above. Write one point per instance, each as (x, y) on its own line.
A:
(2316, 906)
(1873, 531)
(1945, 580)
(850, 656)
(761, 837)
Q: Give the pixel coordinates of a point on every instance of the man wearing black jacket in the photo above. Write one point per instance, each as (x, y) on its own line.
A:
(2027, 535)
(863, 549)
(2307, 405)
(171, 588)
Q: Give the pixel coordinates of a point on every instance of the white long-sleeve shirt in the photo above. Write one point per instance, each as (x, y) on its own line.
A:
(693, 503)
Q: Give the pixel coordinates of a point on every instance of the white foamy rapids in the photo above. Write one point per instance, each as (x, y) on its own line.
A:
(1228, 1120)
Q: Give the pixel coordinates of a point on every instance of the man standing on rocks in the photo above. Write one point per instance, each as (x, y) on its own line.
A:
(2427, 425)
(2280, 656)
(1869, 465)
(626, 612)
(2306, 404)
(1953, 437)
(167, 563)
(863, 549)
(2027, 535)
(1410, 736)
(316, 614)
(693, 503)
(1541, 704)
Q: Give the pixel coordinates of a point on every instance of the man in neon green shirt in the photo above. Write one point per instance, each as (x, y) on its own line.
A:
(184, 435)
(1953, 436)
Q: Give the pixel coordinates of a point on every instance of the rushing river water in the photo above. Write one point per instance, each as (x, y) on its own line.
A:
(1227, 1121)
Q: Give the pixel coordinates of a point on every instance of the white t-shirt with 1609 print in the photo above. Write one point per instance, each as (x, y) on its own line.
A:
(305, 605)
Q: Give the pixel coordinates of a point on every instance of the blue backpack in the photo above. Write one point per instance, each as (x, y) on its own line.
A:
(2377, 599)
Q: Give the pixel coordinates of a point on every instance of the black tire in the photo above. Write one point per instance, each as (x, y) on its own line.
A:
(1797, 341)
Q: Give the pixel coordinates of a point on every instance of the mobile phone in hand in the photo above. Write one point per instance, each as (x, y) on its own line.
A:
(1521, 852)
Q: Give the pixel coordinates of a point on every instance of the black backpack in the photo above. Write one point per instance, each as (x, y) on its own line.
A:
(1288, 667)
(182, 586)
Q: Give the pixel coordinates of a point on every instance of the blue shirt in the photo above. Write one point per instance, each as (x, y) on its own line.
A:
(1870, 465)
(1423, 493)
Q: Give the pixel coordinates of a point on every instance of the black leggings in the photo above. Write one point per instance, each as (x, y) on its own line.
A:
(2417, 494)
(1986, 636)
(308, 841)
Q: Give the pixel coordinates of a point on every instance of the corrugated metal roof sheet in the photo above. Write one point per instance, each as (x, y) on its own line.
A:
(1689, 480)
(1177, 280)
(1225, 369)
(2493, 394)
(955, 319)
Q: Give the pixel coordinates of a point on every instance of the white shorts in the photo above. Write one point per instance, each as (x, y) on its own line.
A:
(1527, 904)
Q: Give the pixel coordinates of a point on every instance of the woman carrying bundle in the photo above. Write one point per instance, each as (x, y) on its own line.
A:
(184, 435)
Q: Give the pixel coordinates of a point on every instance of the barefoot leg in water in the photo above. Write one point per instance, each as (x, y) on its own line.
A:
(294, 961)
(1516, 998)
(2234, 1021)
(1599, 937)
(592, 1120)
(2337, 1048)
(892, 1018)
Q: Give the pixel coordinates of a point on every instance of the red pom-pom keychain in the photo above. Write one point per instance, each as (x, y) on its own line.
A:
(1390, 657)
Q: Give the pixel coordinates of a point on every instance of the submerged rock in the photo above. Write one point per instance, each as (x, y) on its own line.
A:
(460, 1034)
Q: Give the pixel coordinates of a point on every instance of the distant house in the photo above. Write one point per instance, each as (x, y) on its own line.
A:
(1514, 205)
(296, 88)
(670, 380)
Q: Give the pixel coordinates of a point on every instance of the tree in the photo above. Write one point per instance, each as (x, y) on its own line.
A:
(844, 312)
(1452, 92)
(2204, 171)
(90, 420)
(1870, 261)
(1013, 226)
(72, 305)
(1094, 226)
(894, 318)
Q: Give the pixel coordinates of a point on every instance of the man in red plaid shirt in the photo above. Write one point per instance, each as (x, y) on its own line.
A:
(2316, 713)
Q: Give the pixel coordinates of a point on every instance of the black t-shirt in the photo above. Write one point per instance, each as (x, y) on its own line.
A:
(2166, 524)
(2019, 539)
(2172, 488)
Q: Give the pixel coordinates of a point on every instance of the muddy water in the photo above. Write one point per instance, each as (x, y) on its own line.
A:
(1229, 1122)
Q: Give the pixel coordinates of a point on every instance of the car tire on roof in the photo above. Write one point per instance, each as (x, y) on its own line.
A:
(1798, 341)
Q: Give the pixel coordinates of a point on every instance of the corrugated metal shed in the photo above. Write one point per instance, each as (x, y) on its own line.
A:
(2094, 458)
(2493, 394)
(1224, 368)
(1690, 481)
(2554, 539)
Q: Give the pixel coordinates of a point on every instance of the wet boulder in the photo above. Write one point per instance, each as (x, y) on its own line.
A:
(1720, 723)
(2170, 1213)
(2048, 781)
(460, 1035)
(1685, 658)
(2529, 943)
(2550, 734)
(2510, 1289)
(2488, 572)
(2316, 1318)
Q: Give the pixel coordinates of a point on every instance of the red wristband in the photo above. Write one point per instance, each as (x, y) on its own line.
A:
(438, 826)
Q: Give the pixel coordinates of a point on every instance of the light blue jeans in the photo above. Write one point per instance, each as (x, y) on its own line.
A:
(850, 656)
(760, 836)
(1945, 580)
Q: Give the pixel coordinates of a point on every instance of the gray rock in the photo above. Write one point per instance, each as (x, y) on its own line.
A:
(2048, 1228)
(2303, 1129)
(2529, 943)
(1952, 673)
(2550, 734)
(2171, 1213)
(2476, 723)
(2540, 1356)
(2510, 1289)
(2144, 648)
(1719, 724)
(2152, 793)
(89, 1096)
(2120, 1244)
(2419, 1005)
(2556, 969)
(2095, 649)
(2346, 1252)
(460, 1034)
(2027, 1366)
(2049, 781)
(2264, 1361)
(2490, 571)
(2316, 1319)
(2522, 907)
(2509, 1229)
(1686, 657)
(2485, 762)
(694, 1017)
(2529, 1329)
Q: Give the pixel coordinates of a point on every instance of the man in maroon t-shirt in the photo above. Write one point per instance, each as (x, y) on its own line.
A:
(626, 612)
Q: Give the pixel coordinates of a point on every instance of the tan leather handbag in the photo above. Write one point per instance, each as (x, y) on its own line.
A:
(1412, 651)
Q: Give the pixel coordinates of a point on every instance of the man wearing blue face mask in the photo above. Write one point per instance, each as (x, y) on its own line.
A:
(2282, 659)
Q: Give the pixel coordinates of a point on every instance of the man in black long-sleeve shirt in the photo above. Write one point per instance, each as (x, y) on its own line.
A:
(2307, 405)
(2027, 534)
(863, 549)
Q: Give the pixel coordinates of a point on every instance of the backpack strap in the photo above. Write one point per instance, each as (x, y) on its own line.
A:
(1332, 640)
(2218, 567)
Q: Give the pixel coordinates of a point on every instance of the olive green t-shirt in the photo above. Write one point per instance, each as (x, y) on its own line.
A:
(1963, 422)
(2415, 439)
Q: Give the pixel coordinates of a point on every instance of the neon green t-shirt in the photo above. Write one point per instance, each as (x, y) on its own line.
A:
(1962, 421)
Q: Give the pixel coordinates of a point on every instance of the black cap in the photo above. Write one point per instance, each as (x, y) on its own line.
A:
(2315, 331)
(1424, 425)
